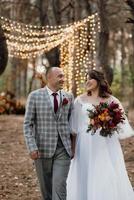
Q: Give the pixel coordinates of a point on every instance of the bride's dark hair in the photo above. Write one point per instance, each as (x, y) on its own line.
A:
(104, 88)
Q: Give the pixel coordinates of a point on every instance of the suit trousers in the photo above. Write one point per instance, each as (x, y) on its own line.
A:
(52, 173)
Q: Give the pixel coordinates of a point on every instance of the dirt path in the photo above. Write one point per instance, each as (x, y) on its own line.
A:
(17, 176)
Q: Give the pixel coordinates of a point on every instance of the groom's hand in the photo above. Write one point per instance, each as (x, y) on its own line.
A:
(73, 140)
(35, 155)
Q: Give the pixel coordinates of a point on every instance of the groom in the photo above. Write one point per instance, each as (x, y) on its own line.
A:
(47, 134)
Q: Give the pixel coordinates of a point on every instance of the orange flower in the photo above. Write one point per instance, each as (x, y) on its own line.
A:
(102, 117)
(2, 110)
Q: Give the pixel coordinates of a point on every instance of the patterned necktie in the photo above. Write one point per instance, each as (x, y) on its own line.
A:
(55, 102)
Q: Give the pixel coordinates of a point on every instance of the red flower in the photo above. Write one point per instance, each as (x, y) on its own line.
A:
(114, 105)
(2, 109)
(65, 101)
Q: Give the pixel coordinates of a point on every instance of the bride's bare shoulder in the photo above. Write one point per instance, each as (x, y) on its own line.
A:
(82, 97)
(113, 98)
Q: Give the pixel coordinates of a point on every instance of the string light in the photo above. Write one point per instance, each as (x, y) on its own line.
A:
(77, 43)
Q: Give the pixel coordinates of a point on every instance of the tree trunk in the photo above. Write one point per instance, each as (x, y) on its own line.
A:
(131, 57)
(49, 18)
(18, 80)
(25, 80)
(33, 77)
(131, 67)
(3, 52)
(103, 60)
(14, 64)
(123, 56)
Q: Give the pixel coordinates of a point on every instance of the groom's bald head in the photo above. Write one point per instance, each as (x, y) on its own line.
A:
(55, 77)
(52, 70)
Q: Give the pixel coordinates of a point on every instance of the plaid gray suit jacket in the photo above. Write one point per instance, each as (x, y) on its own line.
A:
(42, 125)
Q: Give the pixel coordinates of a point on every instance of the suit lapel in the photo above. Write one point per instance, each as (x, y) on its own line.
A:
(48, 102)
(58, 113)
(60, 110)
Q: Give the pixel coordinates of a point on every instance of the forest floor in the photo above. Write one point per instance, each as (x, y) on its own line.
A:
(17, 174)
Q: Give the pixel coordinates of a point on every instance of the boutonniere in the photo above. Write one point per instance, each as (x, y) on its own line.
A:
(64, 102)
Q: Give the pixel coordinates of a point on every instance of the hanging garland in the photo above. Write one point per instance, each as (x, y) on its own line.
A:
(77, 42)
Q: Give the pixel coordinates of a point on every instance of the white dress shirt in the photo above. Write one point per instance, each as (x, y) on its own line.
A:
(50, 92)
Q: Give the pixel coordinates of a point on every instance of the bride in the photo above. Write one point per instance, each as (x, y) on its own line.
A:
(97, 171)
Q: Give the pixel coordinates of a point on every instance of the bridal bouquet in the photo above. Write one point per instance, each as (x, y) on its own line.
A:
(106, 117)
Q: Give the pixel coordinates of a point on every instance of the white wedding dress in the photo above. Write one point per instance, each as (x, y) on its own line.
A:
(97, 171)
